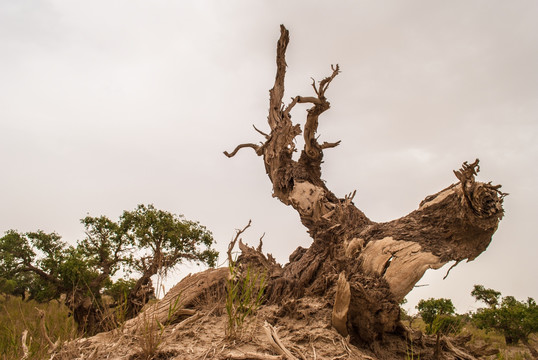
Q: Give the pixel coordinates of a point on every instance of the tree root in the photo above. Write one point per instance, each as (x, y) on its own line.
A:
(188, 321)
(275, 342)
(460, 354)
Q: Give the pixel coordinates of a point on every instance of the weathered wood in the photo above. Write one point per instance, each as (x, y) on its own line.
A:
(276, 343)
(180, 300)
(341, 305)
(383, 261)
(460, 354)
(362, 267)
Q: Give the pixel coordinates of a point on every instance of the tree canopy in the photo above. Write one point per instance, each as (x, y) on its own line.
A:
(438, 314)
(432, 308)
(489, 296)
(516, 320)
(145, 242)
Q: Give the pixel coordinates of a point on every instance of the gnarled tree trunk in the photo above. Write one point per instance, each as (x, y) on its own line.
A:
(374, 264)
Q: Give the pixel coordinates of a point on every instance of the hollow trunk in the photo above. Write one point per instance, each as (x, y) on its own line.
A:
(377, 263)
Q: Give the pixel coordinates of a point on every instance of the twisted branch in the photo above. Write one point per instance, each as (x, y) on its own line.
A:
(240, 146)
(234, 241)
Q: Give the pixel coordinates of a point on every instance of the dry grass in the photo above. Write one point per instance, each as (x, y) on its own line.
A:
(304, 332)
(17, 316)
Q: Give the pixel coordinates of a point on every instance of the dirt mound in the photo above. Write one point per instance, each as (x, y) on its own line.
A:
(300, 328)
(296, 329)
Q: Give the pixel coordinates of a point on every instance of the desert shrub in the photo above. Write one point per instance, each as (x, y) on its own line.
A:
(516, 320)
(244, 295)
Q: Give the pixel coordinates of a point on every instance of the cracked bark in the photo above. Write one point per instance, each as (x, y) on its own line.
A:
(381, 262)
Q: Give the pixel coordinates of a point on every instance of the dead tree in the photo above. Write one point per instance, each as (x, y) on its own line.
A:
(361, 267)
(367, 267)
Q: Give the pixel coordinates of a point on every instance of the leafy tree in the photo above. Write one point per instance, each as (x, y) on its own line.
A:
(516, 320)
(7, 286)
(430, 309)
(438, 314)
(164, 240)
(489, 296)
(145, 241)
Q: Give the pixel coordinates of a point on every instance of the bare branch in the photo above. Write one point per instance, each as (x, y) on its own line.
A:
(324, 84)
(240, 146)
(314, 86)
(453, 266)
(261, 132)
(277, 92)
(312, 149)
(468, 172)
(308, 99)
(290, 106)
(328, 145)
(42, 274)
(350, 196)
(234, 241)
(259, 248)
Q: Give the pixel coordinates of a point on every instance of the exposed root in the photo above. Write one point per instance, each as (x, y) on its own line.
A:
(188, 321)
(460, 354)
(276, 343)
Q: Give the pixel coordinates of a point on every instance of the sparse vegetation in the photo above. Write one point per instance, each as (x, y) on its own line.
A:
(150, 338)
(244, 295)
(515, 320)
(145, 241)
(245, 289)
(410, 350)
(16, 316)
(489, 340)
(438, 314)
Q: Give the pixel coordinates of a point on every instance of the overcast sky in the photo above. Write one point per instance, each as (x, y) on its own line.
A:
(108, 104)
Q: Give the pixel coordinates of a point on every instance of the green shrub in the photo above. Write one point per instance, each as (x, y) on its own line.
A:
(516, 320)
